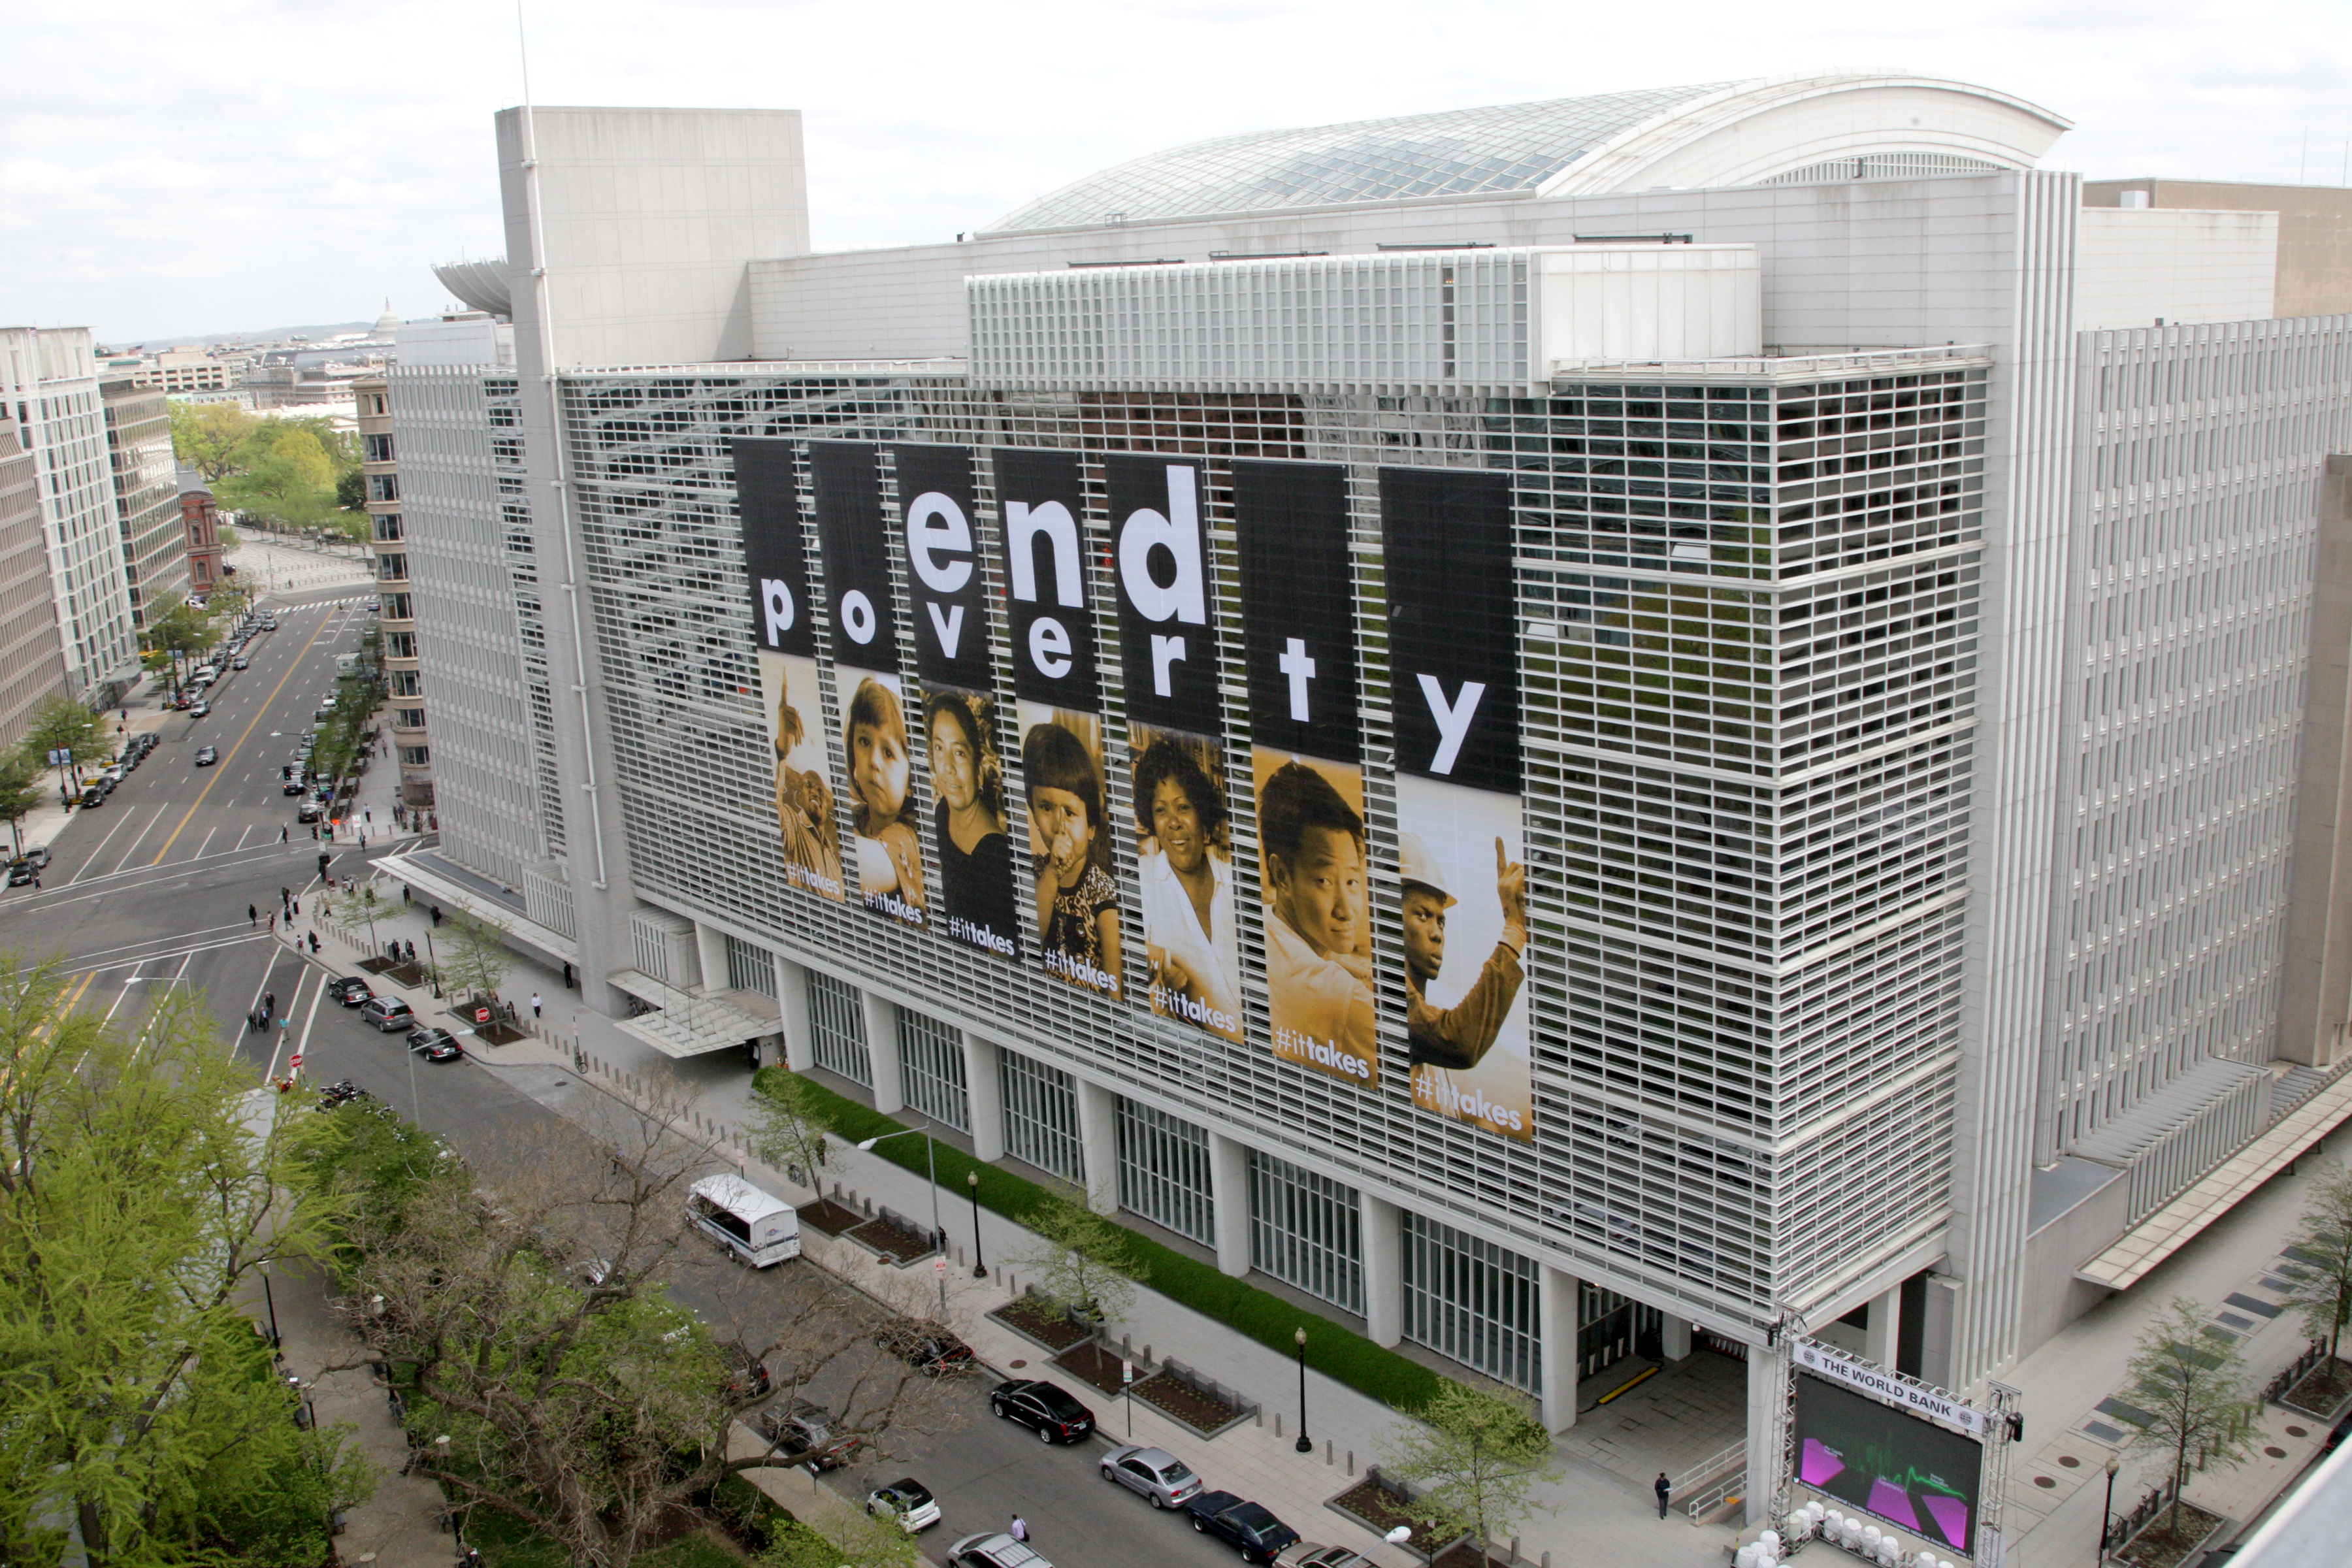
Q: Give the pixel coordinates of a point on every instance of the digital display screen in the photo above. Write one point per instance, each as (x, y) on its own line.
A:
(1890, 1464)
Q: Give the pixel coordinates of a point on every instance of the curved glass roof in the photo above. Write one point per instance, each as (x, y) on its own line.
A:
(1460, 153)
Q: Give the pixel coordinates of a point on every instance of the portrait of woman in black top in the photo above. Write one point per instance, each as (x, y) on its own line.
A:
(976, 897)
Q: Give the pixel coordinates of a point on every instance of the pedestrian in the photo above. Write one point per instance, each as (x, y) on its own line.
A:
(408, 894)
(252, 915)
(268, 1002)
(273, 922)
(367, 817)
(534, 1004)
(314, 944)
(284, 894)
(293, 907)
(1019, 1531)
(1665, 1489)
(437, 914)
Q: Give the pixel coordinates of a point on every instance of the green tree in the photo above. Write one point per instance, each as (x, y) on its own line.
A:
(211, 438)
(21, 786)
(788, 1128)
(475, 957)
(350, 491)
(1082, 1263)
(2192, 1379)
(2323, 1247)
(62, 724)
(146, 1186)
(849, 1537)
(1475, 1459)
(184, 633)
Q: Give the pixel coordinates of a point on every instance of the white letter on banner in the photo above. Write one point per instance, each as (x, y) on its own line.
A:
(950, 627)
(935, 523)
(858, 617)
(1295, 664)
(1022, 524)
(1186, 598)
(1049, 647)
(1165, 651)
(776, 596)
(1452, 722)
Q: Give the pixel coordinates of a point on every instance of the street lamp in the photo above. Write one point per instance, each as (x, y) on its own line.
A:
(1303, 1445)
(2107, 1511)
(939, 1236)
(979, 1265)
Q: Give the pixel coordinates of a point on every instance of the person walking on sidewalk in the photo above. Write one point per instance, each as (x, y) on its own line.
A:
(1665, 1491)
(534, 1004)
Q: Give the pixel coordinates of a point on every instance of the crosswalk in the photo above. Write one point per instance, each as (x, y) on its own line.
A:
(324, 603)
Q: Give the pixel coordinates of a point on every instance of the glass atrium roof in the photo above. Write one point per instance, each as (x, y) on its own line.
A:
(1460, 153)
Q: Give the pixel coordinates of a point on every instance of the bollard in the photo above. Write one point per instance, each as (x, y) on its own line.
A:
(1351, 1461)
(1326, 1453)
(1278, 1423)
(1515, 1549)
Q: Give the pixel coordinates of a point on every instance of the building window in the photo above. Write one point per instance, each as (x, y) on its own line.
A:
(408, 718)
(379, 448)
(387, 528)
(400, 645)
(392, 568)
(1041, 1116)
(416, 756)
(930, 1070)
(396, 607)
(1472, 1301)
(376, 405)
(837, 1028)
(1163, 1172)
(384, 487)
(405, 683)
(1307, 1230)
(750, 968)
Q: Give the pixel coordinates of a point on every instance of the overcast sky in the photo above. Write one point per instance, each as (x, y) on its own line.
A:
(168, 168)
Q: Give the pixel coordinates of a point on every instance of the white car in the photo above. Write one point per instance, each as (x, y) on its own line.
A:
(198, 709)
(906, 1499)
(240, 662)
(996, 1551)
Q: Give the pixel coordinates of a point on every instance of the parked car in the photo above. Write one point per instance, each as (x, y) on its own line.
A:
(996, 1551)
(309, 811)
(208, 755)
(240, 662)
(390, 1015)
(349, 989)
(432, 1045)
(198, 709)
(746, 1378)
(805, 1434)
(269, 623)
(909, 1501)
(1246, 1526)
(932, 1348)
(36, 857)
(21, 872)
(93, 794)
(1308, 1554)
(1157, 1476)
(1045, 1408)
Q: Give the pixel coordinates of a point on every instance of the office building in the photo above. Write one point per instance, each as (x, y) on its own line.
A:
(200, 516)
(48, 378)
(32, 658)
(146, 497)
(1893, 582)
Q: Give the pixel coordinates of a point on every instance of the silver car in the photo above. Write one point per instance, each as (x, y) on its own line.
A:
(997, 1550)
(1155, 1474)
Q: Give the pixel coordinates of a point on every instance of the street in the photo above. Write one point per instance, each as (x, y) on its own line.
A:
(148, 893)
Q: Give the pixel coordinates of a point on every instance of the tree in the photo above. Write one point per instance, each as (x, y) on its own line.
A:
(358, 912)
(787, 1130)
(849, 1537)
(146, 1185)
(62, 724)
(211, 437)
(1477, 1458)
(20, 791)
(2193, 1379)
(475, 956)
(183, 633)
(350, 491)
(1082, 1263)
(2324, 1246)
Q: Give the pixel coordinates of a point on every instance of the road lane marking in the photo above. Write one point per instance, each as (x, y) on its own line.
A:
(194, 806)
(133, 848)
(238, 845)
(119, 826)
(205, 845)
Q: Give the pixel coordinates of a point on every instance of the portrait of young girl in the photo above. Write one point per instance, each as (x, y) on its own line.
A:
(889, 852)
(976, 901)
(1077, 903)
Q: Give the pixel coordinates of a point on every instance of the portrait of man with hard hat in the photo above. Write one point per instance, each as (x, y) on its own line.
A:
(1458, 1037)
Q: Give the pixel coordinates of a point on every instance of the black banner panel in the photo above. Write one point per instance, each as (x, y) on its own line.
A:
(1159, 546)
(1453, 687)
(936, 511)
(775, 558)
(1297, 597)
(876, 750)
(1902, 1467)
(1042, 506)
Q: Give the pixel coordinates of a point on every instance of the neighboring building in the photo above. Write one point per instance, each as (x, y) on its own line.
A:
(146, 497)
(1908, 640)
(32, 658)
(189, 370)
(2315, 229)
(395, 597)
(200, 515)
(49, 381)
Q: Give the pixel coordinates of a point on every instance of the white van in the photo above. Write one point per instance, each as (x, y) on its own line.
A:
(758, 1228)
(346, 663)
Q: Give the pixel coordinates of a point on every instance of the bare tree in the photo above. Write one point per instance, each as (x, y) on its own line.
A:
(787, 1128)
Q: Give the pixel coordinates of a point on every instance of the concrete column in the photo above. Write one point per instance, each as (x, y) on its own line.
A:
(1228, 1193)
(1768, 1405)
(1098, 1144)
(1878, 1330)
(1557, 1297)
(1675, 1338)
(985, 1087)
(882, 1051)
(710, 948)
(1383, 1229)
(791, 1002)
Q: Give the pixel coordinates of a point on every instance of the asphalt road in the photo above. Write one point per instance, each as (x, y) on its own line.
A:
(149, 892)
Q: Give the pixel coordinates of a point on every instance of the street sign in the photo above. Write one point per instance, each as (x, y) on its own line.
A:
(481, 1014)
(295, 1065)
(59, 757)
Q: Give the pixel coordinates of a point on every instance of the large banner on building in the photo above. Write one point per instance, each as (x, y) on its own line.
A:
(1306, 759)
(776, 561)
(1454, 685)
(878, 759)
(974, 901)
(1175, 736)
(1041, 501)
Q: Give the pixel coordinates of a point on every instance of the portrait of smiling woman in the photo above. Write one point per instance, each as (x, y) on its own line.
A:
(1184, 867)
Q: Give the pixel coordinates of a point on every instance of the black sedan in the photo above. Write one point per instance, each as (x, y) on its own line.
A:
(208, 755)
(434, 1045)
(1045, 1408)
(349, 989)
(1240, 1523)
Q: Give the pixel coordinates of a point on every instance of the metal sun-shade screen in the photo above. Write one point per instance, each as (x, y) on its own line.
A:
(1041, 1117)
(837, 1028)
(1163, 1171)
(930, 1070)
(750, 968)
(1472, 1301)
(1307, 1231)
